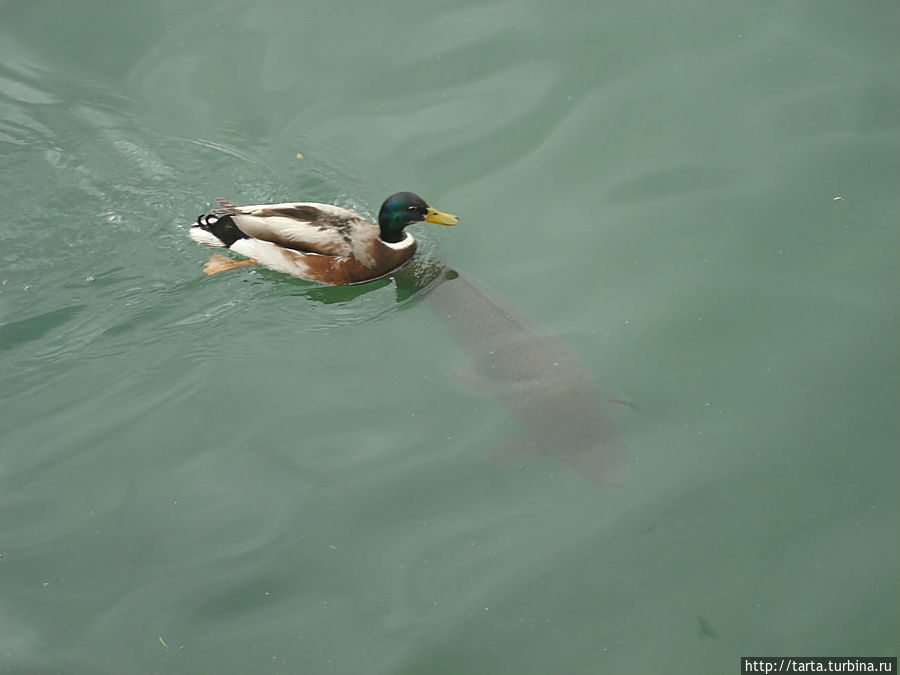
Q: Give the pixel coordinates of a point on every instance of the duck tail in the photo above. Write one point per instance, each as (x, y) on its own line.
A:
(227, 207)
(214, 230)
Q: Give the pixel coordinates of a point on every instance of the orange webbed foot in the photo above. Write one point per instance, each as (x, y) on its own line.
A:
(220, 263)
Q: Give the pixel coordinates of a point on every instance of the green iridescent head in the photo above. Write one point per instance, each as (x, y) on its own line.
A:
(402, 209)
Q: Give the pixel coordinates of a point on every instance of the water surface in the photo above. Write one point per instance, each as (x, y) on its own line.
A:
(247, 473)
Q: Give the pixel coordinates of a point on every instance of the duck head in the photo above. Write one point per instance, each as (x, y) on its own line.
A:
(404, 208)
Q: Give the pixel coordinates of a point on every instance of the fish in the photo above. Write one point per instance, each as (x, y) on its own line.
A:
(540, 379)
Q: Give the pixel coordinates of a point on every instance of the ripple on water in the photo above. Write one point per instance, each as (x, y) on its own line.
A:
(307, 307)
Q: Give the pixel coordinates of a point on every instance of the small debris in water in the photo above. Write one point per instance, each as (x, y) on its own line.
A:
(704, 628)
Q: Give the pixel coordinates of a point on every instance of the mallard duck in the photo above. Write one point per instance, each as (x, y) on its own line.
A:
(318, 242)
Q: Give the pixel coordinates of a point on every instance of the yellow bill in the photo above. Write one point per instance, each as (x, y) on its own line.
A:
(435, 216)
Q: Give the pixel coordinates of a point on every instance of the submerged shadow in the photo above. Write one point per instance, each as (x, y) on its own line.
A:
(540, 379)
(533, 373)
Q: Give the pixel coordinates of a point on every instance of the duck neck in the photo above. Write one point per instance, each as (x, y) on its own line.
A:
(390, 231)
(393, 237)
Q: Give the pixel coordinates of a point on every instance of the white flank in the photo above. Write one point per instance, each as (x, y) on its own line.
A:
(272, 256)
(297, 232)
(256, 220)
(204, 237)
(331, 210)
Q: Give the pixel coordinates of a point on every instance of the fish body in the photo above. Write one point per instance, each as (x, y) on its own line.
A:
(538, 378)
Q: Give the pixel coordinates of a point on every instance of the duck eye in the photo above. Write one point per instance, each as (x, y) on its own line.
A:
(411, 208)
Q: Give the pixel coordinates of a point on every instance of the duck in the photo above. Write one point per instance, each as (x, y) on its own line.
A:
(317, 242)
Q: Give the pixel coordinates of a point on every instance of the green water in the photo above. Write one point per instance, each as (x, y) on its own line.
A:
(250, 474)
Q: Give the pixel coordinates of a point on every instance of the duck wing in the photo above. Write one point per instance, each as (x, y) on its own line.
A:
(302, 226)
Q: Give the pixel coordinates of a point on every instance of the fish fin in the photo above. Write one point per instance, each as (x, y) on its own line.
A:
(617, 403)
(606, 467)
(514, 452)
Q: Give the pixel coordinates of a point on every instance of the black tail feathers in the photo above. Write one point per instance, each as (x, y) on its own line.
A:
(222, 227)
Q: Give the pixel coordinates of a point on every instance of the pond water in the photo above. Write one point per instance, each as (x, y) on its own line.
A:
(249, 473)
